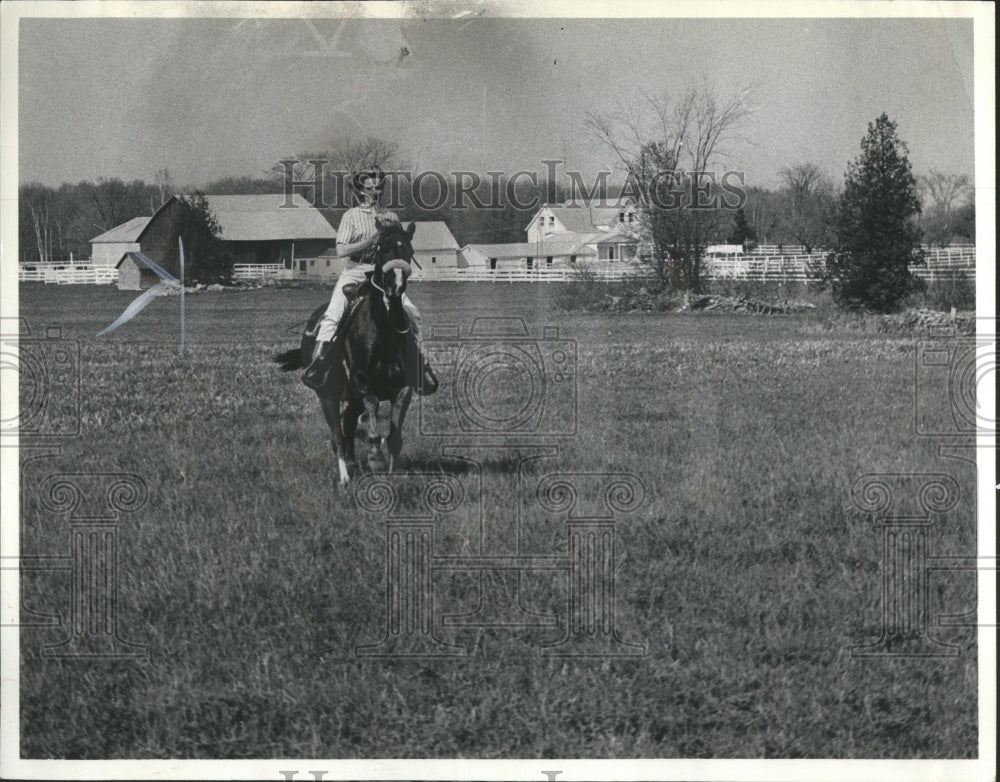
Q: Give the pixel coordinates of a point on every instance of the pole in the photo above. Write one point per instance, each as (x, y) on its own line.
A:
(180, 247)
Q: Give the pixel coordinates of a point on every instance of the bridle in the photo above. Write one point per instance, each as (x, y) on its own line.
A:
(379, 264)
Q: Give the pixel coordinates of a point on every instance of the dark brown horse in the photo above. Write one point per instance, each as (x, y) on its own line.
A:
(380, 363)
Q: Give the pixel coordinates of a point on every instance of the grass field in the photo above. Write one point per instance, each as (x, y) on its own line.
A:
(747, 574)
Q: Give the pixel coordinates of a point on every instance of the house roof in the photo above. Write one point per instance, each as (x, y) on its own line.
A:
(611, 237)
(134, 257)
(126, 232)
(585, 216)
(433, 235)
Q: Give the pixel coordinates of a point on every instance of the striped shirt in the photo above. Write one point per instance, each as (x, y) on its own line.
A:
(358, 224)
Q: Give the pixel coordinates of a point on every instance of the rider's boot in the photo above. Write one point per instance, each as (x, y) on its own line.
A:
(322, 359)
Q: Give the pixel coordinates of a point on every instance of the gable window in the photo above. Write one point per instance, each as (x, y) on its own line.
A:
(552, 219)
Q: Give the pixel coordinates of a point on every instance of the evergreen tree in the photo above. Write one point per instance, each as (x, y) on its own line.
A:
(742, 232)
(206, 258)
(877, 235)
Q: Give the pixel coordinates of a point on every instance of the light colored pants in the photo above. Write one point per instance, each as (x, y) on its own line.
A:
(355, 273)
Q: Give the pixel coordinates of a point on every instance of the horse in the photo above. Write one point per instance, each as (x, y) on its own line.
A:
(380, 360)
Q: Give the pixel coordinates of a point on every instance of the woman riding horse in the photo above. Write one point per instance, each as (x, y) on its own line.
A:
(381, 359)
(356, 238)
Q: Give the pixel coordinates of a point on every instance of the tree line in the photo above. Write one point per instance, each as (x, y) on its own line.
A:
(670, 148)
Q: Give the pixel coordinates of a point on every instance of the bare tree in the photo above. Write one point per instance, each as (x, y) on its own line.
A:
(944, 190)
(668, 148)
(165, 184)
(335, 165)
(950, 213)
(807, 205)
(36, 201)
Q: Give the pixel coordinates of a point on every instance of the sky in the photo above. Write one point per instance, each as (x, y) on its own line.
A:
(209, 98)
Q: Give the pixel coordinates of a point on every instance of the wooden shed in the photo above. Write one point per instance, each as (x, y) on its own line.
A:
(133, 274)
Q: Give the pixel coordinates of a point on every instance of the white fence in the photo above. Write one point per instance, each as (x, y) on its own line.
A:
(941, 264)
(765, 268)
(65, 274)
(264, 271)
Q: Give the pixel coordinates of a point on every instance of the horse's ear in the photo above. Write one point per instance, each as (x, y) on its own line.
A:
(411, 229)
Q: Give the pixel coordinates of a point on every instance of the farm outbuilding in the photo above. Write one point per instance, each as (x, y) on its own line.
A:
(107, 249)
(612, 246)
(133, 274)
(524, 255)
(434, 247)
(258, 229)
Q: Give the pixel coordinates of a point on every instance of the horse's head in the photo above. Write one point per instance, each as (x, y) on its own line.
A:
(394, 252)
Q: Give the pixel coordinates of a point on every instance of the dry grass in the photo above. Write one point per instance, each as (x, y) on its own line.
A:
(747, 575)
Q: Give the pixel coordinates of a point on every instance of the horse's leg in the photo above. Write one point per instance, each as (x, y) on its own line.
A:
(371, 416)
(346, 429)
(399, 407)
(338, 439)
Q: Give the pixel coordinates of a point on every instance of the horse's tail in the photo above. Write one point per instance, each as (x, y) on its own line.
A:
(289, 361)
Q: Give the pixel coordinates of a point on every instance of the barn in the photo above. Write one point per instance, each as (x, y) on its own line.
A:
(434, 247)
(108, 248)
(258, 229)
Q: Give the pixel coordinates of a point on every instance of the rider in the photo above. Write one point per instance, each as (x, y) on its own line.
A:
(356, 238)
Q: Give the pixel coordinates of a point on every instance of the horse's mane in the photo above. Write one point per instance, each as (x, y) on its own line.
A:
(391, 229)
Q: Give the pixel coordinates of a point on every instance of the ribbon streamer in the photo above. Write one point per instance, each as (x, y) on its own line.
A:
(142, 301)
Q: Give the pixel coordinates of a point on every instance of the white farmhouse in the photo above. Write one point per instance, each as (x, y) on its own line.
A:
(581, 217)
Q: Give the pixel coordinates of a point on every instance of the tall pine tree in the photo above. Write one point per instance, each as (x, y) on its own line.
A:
(877, 234)
(207, 259)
